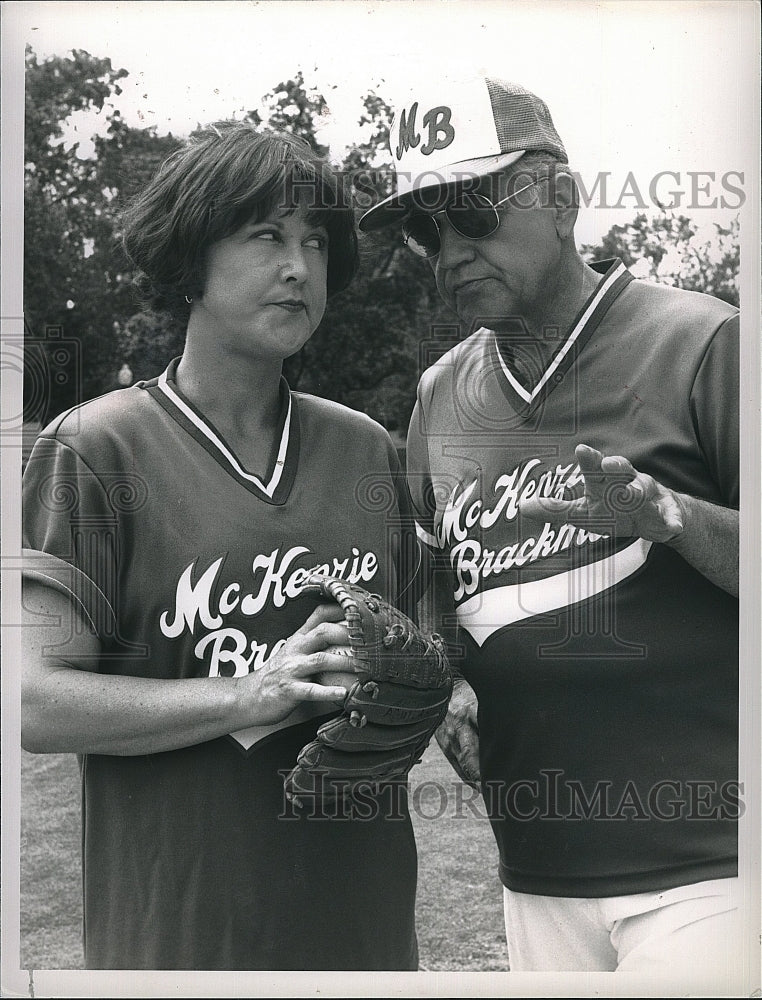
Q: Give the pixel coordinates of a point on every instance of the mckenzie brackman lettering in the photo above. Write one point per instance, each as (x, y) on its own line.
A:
(465, 511)
(275, 579)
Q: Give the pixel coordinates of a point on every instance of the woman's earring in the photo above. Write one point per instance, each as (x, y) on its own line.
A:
(188, 299)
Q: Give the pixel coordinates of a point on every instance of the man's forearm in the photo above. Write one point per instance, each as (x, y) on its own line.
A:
(709, 541)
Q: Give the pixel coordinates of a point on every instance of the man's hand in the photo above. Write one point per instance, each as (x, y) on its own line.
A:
(458, 735)
(618, 500)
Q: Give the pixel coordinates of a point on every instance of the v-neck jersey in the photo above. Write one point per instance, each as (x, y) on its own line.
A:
(272, 488)
(180, 550)
(584, 647)
(187, 568)
(523, 399)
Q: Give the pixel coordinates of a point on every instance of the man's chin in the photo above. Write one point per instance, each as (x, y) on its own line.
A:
(472, 320)
(475, 313)
(504, 324)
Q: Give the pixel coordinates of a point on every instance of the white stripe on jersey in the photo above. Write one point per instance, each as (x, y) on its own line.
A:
(425, 537)
(517, 387)
(303, 711)
(267, 488)
(490, 610)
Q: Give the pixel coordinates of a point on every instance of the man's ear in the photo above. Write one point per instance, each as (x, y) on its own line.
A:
(564, 199)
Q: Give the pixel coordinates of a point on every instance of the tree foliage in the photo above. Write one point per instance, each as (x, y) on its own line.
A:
(56, 89)
(76, 283)
(291, 107)
(669, 249)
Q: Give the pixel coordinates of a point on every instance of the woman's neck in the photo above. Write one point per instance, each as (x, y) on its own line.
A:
(240, 396)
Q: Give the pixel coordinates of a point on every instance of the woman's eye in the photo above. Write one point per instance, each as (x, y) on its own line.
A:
(265, 234)
(317, 242)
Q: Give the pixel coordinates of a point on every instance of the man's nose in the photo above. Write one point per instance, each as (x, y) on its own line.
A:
(454, 249)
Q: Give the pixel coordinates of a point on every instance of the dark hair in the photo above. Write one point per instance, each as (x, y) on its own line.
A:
(225, 175)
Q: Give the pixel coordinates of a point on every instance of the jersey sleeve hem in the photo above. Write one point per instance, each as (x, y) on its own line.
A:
(88, 599)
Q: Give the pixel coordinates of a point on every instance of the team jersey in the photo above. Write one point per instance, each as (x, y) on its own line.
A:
(189, 566)
(606, 668)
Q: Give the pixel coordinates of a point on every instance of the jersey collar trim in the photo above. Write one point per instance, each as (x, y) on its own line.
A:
(582, 328)
(279, 480)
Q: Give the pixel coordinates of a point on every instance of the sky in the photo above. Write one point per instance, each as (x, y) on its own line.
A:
(635, 88)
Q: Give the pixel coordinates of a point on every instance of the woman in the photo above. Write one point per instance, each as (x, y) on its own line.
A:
(177, 518)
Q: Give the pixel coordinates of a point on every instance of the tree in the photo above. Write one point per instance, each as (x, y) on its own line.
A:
(148, 341)
(290, 107)
(55, 90)
(669, 249)
(76, 284)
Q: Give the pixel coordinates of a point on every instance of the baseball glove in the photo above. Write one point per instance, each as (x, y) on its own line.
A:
(391, 711)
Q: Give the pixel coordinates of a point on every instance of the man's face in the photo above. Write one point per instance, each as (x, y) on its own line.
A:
(511, 273)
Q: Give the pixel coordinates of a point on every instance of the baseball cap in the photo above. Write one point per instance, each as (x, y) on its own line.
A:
(447, 131)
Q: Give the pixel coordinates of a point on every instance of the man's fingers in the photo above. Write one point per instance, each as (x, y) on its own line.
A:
(618, 500)
(468, 761)
(590, 462)
(465, 774)
(458, 736)
(618, 465)
(552, 510)
(464, 763)
(605, 475)
(589, 459)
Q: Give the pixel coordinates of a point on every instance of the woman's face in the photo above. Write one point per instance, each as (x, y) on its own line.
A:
(265, 289)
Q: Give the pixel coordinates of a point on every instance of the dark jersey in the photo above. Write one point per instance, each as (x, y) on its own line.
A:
(189, 566)
(606, 668)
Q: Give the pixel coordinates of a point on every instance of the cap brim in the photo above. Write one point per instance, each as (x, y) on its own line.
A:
(394, 208)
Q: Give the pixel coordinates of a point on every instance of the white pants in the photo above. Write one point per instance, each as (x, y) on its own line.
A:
(692, 930)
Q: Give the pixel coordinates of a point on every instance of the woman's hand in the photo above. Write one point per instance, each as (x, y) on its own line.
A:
(68, 707)
(287, 678)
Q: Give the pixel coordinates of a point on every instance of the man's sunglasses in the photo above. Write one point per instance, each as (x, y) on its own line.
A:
(471, 215)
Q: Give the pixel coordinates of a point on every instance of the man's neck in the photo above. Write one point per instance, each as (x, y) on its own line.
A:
(546, 330)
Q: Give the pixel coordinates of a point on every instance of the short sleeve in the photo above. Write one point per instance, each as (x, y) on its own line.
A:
(69, 532)
(434, 579)
(406, 552)
(715, 408)
(419, 476)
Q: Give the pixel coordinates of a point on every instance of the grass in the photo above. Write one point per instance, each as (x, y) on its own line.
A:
(51, 883)
(459, 901)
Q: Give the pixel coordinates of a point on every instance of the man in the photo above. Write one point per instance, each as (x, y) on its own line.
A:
(574, 465)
